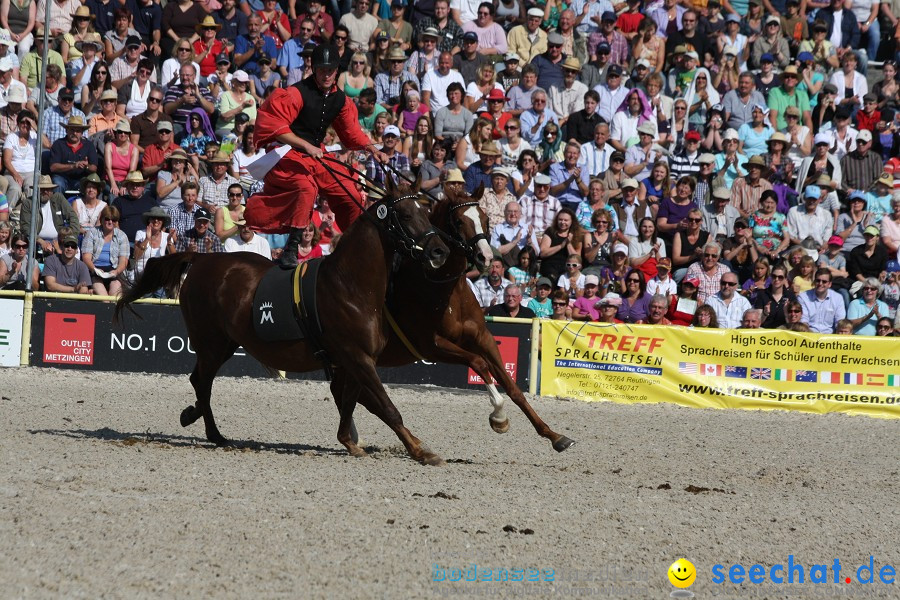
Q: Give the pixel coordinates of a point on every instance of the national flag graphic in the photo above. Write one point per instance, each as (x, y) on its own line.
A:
(711, 370)
(853, 378)
(760, 373)
(874, 379)
(893, 380)
(688, 368)
(829, 377)
(806, 376)
(783, 375)
(732, 371)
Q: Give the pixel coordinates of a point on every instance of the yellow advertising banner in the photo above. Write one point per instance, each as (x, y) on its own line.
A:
(721, 368)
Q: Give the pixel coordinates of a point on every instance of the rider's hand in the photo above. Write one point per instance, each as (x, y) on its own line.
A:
(380, 156)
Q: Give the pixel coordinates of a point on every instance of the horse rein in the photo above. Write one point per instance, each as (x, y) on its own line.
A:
(414, 247)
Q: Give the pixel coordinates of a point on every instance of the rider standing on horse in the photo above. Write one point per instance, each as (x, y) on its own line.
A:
(299, 116)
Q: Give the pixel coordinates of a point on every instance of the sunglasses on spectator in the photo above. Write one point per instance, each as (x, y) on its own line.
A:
(20, 246)
(728, 283)
(359, 62)
(633, 280)
(883, 327)
(870, 289)
(795, 310)
(102, 72)
(710, 256)
(511, 128)
(559, 304)
(777, 276)
(110, 219)
(152, 99)
(823, 281)
(342, 38)
(236, 195)
(184, 49)
(695, 220)
(70, 245)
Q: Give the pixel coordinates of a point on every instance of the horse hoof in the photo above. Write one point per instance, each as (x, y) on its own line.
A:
(562, 443)
(221, 442)
(501, 427)
(434, 460)
(189, 415)
(358, 453)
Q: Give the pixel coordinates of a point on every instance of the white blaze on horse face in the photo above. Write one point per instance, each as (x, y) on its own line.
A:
(486, 253)
(497, 401)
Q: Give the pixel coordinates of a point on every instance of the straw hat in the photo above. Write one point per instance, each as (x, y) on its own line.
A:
(157, 212)
(46, 183)
(886, 179)
(779, 137)
(207, 21)
(91, 38)
(489, 149)
(755, 161)
(572, 64)
(220, 158)
(454, 176)
(109, 95)
(397, 54)
(135, 177)
(123, 125)
(178, 154)
(76, 122)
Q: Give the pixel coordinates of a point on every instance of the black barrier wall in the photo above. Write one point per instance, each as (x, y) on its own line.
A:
(80, 335)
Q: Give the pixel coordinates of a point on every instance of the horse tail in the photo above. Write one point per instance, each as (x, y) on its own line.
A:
(163, 272)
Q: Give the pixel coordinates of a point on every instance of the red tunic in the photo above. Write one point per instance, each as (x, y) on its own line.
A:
(291, 187)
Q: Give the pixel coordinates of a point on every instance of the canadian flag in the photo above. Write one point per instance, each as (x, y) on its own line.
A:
(712, 370)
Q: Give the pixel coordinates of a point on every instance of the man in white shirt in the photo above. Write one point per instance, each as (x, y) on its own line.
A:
(360, 24)
(728, 306)
(7, 82)
(612, 93)
(595, 154)
(569, 98)
(810, 222)
(489, 289)
(247, 241)
(436, 81)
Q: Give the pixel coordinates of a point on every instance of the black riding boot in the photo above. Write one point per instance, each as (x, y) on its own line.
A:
(289, 255)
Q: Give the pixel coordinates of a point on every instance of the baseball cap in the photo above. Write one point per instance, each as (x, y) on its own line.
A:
(614, 70)
(133, 41)
(617, 156)
(691, 281)
(835, 240)
(767, 57)
(222, 58)
(864, 136)
(629, 183)
(391, 130)
(541, 179)
(823, 137)
(692, 135)
(544, 281)
(164, 126)
(201, 213)
(664, 263)
(591, 280)
(604, 48)
(608, 15)
(812, 191)
(620, 247)
(872, 230)
(555, 39)
(69, 237)
(66, 93)
(805, 56)
(706, 158)
(470, 36)
(731, 134)
(510, 56)
(535, 12)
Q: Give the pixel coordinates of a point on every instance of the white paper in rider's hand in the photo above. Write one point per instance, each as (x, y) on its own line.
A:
(262, 165)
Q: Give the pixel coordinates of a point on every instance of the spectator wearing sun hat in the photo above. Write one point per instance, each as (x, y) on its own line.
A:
(479, 172)
(568, 98)
(7, 81)
(747, 190)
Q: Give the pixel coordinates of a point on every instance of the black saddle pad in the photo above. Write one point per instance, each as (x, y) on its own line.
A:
(283, 299)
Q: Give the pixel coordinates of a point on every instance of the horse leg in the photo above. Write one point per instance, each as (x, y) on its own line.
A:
(486, 358)
(346, 402)
(211, 355)
(372, 395)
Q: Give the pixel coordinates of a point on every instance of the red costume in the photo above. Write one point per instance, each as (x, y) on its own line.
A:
(291, 187)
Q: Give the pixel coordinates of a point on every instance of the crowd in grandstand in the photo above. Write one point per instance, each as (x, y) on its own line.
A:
(708, 163)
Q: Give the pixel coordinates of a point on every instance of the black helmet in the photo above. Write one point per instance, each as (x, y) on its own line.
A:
(325, 56)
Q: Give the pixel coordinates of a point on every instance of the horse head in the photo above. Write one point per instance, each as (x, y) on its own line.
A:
(406, 216)
(469, 224)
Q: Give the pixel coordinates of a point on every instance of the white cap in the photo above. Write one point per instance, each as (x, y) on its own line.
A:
(6, 64)
(643, 63)
(620, 247)
(591, 280)
(823, 137)
(541, 179)
(391, 130)
(535, 12)
(864, 135)
(512, 56)
(16, 94)
(241, 75)
(731, 134)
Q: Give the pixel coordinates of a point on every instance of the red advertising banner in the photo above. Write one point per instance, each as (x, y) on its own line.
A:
(509, 352)
(69, 338)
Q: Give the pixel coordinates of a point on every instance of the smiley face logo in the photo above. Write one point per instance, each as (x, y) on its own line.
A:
(682, 573)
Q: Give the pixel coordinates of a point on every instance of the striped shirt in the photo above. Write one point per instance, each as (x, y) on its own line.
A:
(539, 213)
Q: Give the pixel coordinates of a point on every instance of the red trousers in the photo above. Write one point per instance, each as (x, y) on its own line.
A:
(290, 190)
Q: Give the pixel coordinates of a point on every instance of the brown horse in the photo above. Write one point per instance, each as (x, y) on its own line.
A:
(217, 294)
(444, 323)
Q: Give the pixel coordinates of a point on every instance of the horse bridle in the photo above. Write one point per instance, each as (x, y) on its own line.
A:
(469, 246)
(409, 245)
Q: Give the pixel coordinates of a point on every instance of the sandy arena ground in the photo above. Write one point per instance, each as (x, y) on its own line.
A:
(104, 495)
